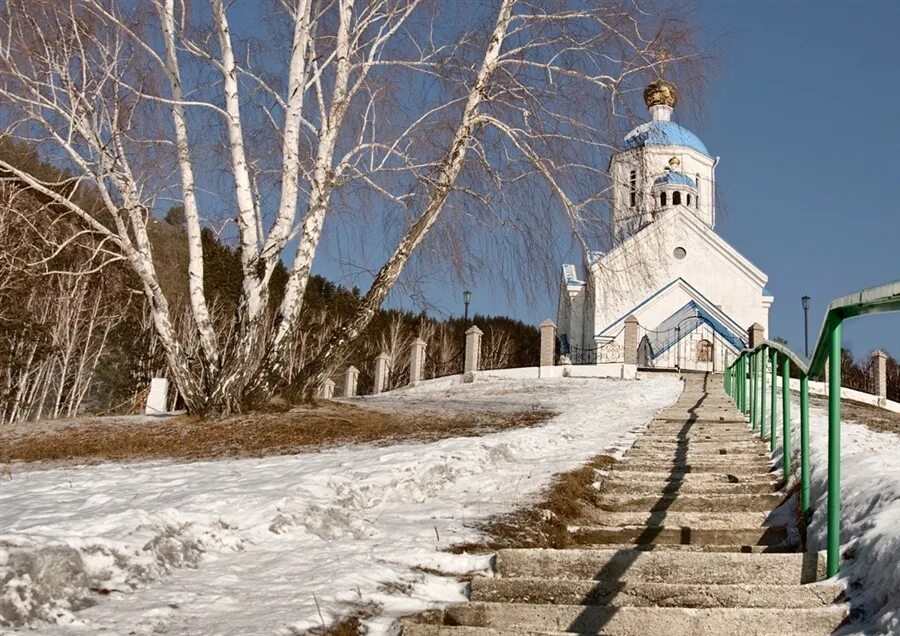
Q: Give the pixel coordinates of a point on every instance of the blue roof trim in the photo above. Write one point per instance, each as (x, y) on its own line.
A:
(675, 178)
(735, 327)
(703, 317)
(663, 133)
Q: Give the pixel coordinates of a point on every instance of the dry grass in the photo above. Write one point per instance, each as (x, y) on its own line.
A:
(254, 435)
(873, 417)
(544, 525)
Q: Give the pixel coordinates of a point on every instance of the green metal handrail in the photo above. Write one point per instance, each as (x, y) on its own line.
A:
(750, 366)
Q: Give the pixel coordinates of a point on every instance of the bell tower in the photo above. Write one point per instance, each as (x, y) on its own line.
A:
(661, 166)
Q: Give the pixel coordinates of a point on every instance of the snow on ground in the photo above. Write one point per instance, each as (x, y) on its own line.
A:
(283, 544)
(870, 513)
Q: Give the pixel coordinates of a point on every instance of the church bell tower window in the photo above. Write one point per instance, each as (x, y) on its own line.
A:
(676, 198)
(632, 188)
(662, 199)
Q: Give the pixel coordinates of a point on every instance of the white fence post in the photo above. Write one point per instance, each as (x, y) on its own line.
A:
(350, 377)
(473, 353)
(417, 362)
(879, 368)
(156, 399)
(326, 391)
(630, 340)
(548, 343)
(382, 369)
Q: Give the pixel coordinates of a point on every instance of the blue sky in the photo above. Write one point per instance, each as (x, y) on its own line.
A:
(802, 111)
(801, 107)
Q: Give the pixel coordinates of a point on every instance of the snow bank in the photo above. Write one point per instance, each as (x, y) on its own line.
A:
(283, 544)
(870, 514)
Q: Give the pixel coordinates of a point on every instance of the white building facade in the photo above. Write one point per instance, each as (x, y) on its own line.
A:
(694, 296)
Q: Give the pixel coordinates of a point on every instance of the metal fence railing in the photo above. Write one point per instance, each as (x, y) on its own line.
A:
(745, 380)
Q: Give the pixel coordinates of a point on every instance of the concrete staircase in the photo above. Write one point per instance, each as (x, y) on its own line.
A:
(679, 543)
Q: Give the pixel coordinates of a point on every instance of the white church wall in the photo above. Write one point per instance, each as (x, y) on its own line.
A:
(641, 267)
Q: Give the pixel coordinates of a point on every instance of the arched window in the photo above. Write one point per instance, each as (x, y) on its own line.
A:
(676, 198)
(704, 351)
(632, 187)
(662, 199)
(689, 199)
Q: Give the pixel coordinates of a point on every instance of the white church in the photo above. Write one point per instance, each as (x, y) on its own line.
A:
(694, 296)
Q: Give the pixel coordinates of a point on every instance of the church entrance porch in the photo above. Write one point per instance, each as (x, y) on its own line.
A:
(693, 343)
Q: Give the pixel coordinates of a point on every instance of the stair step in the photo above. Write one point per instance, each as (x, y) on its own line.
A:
(732, 467)
(646, 621)
(717, 568)
(691, 457)
(689, 503)
(681, 487)
(781, 548)
(617, 594)
(723, 477)
(752, 445)
(710, 520)
(415, 629)
(684, 535)
(698, 436)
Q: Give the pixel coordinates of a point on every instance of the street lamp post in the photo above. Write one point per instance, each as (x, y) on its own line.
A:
(805, 301)
(467, 298)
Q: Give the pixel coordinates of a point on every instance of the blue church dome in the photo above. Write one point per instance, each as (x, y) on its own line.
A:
(663, 133)
(675, 178)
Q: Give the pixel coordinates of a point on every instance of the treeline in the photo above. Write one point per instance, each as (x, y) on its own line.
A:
(76, 335)
(858, 374)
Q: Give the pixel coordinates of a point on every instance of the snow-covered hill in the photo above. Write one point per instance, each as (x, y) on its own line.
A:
(281, 544)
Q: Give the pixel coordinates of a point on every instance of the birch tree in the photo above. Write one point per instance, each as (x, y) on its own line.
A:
(273, 117)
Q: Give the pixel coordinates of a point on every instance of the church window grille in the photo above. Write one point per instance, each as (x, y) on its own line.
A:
(662, 199)
(704, 351)
(632, 187)
(676, 198)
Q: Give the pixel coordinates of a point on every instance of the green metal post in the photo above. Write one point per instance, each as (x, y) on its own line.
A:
(834, 451)
(737, 368)
(762, 395)
(756, 373)
(744, 384)
(753, 398)
(773, 422)
(804, 446)
(786, 416)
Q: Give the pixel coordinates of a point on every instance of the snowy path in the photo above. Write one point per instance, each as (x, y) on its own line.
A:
(254, 545)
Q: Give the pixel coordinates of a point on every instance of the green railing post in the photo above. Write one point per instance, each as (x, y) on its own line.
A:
(746, 383)
(834, 451)
(786, 417)
(762, 394)
(745, 388)
(804, 446)
(740, 384)
(751, 359)
(773, 422)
